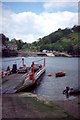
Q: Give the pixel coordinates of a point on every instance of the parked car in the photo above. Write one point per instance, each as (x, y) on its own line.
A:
(22, 70)
(37, 67)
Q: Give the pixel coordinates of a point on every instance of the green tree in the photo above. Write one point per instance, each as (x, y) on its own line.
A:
(4, 39)
(19, 44)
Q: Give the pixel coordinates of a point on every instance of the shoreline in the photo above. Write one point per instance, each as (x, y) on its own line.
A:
(29, 54)
(71, 106)
(40, 56)
(29, 105)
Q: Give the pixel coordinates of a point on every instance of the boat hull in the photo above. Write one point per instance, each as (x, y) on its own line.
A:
(30, 87)
(74, 92)
(60, 74)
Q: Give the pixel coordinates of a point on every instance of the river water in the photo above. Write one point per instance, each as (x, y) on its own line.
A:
(51, 88)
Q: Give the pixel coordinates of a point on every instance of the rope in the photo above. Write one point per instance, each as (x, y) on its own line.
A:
(10, 60)
(18, 63)
(39, 60)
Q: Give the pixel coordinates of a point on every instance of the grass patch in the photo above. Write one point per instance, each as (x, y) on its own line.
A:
(42, 105)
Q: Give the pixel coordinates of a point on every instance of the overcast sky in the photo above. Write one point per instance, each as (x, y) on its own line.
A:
(30, 21)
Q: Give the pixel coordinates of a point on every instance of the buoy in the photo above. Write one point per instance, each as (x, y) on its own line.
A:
(49, 74)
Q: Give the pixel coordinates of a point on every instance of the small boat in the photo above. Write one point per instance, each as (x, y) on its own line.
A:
(74, 91)
(60, 74)
(71, 91)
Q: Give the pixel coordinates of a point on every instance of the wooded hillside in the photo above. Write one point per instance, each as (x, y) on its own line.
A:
(62, 40)
(66, 40)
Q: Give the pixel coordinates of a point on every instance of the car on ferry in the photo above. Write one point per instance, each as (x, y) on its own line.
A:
(22, 70)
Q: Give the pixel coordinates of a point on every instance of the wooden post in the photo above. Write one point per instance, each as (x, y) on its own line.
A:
(33, 70)
(22, 62)
(44, 62)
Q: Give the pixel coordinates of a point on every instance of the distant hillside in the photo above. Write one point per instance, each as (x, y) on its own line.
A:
(63, 40)
(66, 40)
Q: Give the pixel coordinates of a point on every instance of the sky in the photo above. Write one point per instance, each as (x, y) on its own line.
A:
(32, 20)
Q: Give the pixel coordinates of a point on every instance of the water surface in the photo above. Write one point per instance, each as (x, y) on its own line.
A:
(51, 87)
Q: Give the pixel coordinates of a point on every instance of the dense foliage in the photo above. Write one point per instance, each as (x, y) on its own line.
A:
(66, 40)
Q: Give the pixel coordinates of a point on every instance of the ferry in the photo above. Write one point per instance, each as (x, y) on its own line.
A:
(23, 78)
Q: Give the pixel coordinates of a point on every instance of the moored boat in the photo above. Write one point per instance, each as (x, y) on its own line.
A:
(60, 74)
(71, 91)
(74, 91)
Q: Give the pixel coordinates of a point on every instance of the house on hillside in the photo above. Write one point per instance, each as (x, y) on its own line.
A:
(12, 46)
